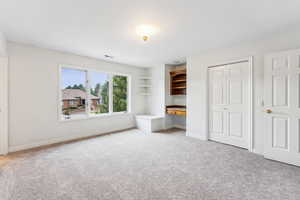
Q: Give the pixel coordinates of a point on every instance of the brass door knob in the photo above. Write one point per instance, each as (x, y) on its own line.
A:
(268, 111)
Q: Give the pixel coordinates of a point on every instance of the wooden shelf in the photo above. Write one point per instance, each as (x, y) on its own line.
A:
(178, 82)
(176, 110)
(175, 88)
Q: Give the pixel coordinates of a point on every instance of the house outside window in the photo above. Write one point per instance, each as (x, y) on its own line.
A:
(87, 93)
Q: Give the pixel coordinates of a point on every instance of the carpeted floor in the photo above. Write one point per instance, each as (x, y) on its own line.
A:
(132, 166)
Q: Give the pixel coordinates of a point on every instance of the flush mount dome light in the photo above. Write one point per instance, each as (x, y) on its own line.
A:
(145, 31)
(108, 56)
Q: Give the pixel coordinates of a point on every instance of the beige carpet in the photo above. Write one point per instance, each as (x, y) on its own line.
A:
(133, 166)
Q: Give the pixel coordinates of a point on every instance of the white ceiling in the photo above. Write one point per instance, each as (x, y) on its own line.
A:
(96, 27)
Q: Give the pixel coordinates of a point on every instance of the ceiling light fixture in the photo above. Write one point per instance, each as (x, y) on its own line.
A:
(108, 56)
(145, 31)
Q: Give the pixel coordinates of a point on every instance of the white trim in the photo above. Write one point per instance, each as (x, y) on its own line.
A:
(179, 126)
(104, 115)
(87, 114)
(4, 107)
(60, 140)
(251, 146)
(169, 126)
(88, 94)
(197, 136)
(129, 93)
(230, 62)
(257, 152)
(110, 94)
(59, 94)
(250, 108)
(86, 68)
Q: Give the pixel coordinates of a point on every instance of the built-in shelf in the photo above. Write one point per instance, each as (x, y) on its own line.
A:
(176, 110)
(145, 78)
(176, 88)
(178, 82)
(145, 85)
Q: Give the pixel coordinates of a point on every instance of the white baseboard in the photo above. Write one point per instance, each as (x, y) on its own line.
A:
(257, 152)
(168, 127)
(58, 140)
(197, 136)
(179, 126)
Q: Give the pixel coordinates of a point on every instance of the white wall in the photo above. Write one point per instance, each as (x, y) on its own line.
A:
(157, 98)
(168, 98)
(3, 49)
(3, 95)
(33, 98)
(197, 81)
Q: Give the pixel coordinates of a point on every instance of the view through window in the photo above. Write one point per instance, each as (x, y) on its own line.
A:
(99, 96)
(87, 93)
(74, 93)
(120, 93)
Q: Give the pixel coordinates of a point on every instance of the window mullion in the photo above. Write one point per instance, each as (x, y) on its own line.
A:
(88, 93)
(110, 98)
(128, 99)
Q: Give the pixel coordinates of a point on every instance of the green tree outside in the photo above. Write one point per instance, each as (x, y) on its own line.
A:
(119, 93)
(104, 104)
(80, 87)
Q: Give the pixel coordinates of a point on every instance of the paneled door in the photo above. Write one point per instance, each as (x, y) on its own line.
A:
(229, 97)
(3, 106)
(282, 107)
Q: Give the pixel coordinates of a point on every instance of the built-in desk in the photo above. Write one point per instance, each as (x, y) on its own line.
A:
(176, 110)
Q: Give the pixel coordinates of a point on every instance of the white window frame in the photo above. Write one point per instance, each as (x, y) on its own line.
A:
(88, 115)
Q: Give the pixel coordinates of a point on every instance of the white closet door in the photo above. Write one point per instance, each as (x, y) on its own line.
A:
(282, 107)
(229, 104)
(217, 97)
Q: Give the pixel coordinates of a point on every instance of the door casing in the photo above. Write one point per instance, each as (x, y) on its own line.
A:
(250, 106)
(4, 105)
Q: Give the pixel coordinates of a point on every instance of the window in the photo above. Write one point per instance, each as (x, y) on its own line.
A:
(72, 102)
(73, 93)
(119, 93)
(99, 96)
(88, 93)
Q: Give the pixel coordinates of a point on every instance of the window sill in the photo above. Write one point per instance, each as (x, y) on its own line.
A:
(87, 117)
